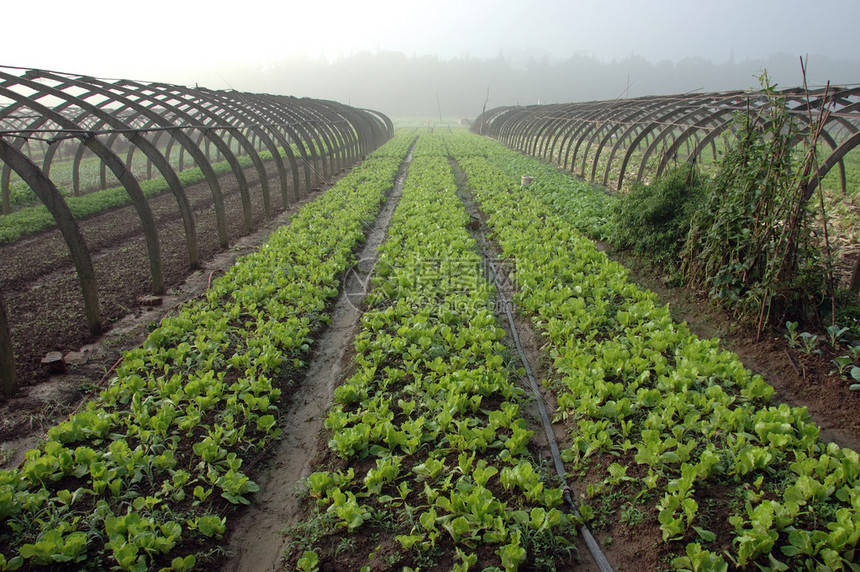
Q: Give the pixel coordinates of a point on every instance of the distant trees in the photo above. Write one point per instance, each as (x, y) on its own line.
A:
(407, 86)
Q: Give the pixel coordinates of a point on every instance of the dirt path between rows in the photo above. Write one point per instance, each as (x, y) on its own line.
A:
(258, 539)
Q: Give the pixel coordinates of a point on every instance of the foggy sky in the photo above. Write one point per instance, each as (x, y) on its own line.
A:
(401, 56)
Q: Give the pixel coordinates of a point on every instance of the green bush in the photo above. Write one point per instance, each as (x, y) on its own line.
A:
(655, 219)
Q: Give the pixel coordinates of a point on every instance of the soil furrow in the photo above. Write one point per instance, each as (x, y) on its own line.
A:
(257, 541)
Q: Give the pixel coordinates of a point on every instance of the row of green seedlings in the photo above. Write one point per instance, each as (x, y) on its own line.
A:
(675, 428)
(591, 214)
(432, 466)
(144, 476)
(36, 218)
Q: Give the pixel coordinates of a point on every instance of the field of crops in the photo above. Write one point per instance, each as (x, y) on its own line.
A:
(433, 455)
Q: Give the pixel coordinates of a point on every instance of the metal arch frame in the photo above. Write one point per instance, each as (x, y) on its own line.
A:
(544, 122)
(539, 140)
(702, 118)
(664, 115)
(53, 200)
(355, 128)
(284, 133)
(125, 177)
(244, 143)
(328, 125)
(284, 136)
(331, 151)
(604, 122)
(124, 96)
(546, 135)
(520, 131)
(342, 130)
(36, 120)
(791, 95)
(388, 126)
(660, 116)
(590, 113)
(317, 142)
(8, 378)
(559, 128)
(359, 122)
(5, 172)
(246, 116)
(136, 139)
(694, 122)
(626, 124)
(161, 121)
(671, 116)
(715, 123)
(563, 129)
(490, 120)
(362, 130)
(835, 157)
(293, 119)
(510, 132)
(327, 134)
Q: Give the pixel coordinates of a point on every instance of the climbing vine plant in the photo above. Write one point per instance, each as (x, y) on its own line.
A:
(755, 245)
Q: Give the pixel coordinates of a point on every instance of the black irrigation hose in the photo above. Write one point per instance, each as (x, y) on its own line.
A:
(599, 558)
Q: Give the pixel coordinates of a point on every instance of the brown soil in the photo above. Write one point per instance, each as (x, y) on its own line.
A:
(45, 308)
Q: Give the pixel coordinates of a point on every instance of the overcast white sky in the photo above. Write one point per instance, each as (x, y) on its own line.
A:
(171, 40)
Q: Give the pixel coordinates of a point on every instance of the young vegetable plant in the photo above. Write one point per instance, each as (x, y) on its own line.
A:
(190, 406)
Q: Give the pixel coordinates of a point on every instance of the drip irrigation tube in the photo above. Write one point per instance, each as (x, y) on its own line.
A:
(593, 547)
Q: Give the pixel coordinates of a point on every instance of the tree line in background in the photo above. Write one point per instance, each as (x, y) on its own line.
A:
(426, 86)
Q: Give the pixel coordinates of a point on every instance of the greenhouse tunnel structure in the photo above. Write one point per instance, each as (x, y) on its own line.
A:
(623, 141)
(46, 115)
(613, 142)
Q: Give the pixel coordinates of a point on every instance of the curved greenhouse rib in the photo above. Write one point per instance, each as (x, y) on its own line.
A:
(53, 200)
(125, 177)
(573, 134)
(135, 138)
(41, 109)
(8, 378)
(125, 97)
